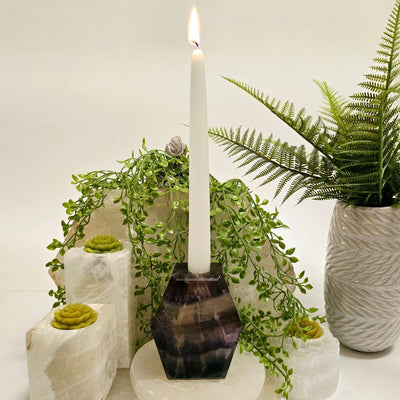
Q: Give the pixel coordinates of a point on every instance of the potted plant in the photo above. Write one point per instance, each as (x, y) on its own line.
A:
(355, 160)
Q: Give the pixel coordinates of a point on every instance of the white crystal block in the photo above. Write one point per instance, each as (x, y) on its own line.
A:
(315, 366)
(245, 379)
(72, 364)
(105, 279)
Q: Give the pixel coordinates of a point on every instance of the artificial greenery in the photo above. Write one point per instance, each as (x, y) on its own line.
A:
(240, 228)
(355, 156)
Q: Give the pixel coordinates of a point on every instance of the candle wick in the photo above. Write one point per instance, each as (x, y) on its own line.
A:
(196, 43)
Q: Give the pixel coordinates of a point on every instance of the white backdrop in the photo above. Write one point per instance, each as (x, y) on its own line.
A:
(82, 82)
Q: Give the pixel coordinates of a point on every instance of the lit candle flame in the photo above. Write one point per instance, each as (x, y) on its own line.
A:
(194, 30)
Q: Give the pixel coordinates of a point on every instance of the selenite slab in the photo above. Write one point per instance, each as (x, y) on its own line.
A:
(105, 279)
(315, 366)
(122, 388)
(244, 381)
(73, 364)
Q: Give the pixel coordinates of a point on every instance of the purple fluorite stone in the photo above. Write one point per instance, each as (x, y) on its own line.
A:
(196, 328)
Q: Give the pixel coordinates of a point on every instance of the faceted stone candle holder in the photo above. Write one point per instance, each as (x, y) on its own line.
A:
(105, 279)
(196, 327)
(73, 364)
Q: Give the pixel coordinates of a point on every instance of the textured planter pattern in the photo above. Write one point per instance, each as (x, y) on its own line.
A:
(197, 327)
(362, 277)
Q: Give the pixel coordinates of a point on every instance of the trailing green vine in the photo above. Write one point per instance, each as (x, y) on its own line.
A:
(241, 228)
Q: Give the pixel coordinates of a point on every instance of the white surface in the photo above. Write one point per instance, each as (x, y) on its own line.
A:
(83, 81)
(245, 379)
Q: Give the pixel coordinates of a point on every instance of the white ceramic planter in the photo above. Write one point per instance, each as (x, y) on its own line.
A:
(362, 276)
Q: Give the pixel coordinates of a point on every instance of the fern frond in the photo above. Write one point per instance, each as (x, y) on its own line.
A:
(273, 160)
(356, 141)
(375, 105)
(336, 107)
(311, 132)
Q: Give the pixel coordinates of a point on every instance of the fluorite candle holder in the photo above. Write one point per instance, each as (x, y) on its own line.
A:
(196, 327)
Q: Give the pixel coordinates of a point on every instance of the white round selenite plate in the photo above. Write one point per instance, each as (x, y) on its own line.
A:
(245, 379)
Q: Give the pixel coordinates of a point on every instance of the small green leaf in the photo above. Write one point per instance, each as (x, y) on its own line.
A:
(290, 251)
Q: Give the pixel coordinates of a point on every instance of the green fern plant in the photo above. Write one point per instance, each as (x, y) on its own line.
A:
(355, 142)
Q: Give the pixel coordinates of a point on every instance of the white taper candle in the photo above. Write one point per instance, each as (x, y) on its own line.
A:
(199, 253)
